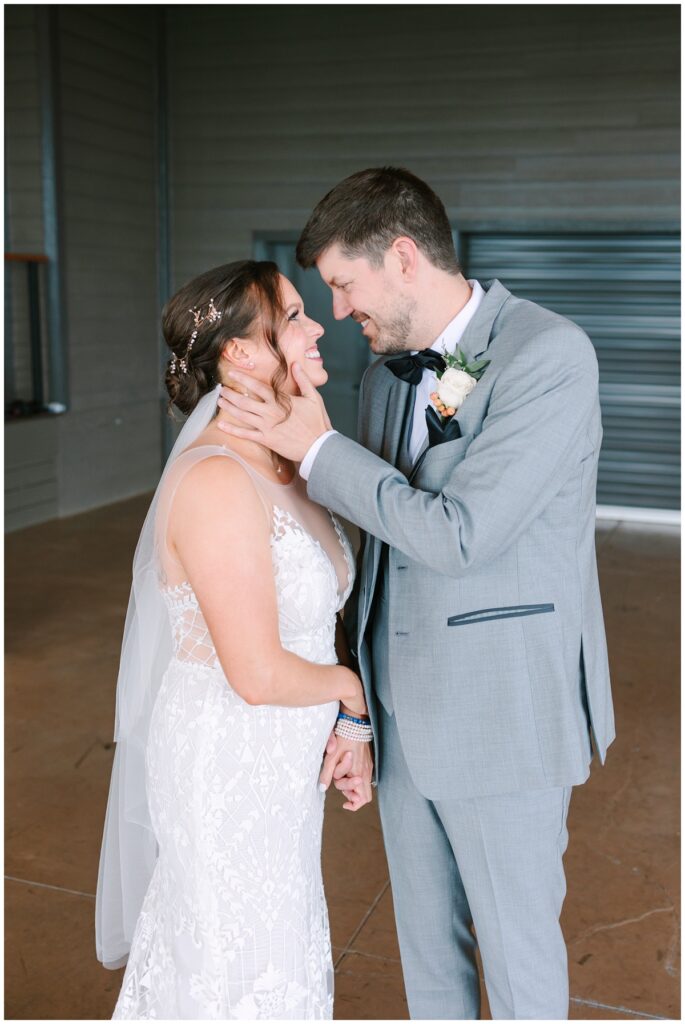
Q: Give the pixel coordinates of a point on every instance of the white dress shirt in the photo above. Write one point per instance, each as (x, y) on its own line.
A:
(447, 341)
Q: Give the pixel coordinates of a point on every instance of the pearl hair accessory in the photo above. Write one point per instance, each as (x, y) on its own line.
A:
(211, 317)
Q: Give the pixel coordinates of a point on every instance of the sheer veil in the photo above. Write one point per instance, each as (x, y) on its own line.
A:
(129, 849)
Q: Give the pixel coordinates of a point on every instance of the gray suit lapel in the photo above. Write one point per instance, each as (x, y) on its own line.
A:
(403, 458)
(398, 403)
(478, 334)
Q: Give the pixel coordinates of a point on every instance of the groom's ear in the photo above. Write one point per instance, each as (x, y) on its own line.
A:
(406, 254)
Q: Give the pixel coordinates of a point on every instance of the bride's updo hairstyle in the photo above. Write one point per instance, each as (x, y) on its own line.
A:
(238, 300)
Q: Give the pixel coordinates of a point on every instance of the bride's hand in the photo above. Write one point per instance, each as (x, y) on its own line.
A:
(349, 766)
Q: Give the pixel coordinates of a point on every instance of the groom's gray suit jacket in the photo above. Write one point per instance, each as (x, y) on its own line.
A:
(496, 649)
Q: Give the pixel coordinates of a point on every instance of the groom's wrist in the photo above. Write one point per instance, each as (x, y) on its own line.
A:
(344, 710)
(312, 452)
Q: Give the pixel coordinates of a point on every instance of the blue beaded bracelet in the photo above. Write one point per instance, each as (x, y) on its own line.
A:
(349, 718)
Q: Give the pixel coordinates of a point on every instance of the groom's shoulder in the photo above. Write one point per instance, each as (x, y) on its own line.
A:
(376, 373)
(535, 332)
(523, 315)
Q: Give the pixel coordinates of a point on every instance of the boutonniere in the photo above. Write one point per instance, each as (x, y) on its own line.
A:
(454, 384)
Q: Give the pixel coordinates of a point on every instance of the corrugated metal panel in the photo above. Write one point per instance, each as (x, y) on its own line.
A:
(624, 291)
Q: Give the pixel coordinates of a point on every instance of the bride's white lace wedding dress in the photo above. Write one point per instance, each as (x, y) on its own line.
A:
(234, 924)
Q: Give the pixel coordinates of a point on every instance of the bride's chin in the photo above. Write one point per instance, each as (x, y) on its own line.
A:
(317, 375)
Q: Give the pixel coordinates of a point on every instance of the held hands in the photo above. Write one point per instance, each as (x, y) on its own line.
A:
(348, 763)
(263, 420)
(349, 766)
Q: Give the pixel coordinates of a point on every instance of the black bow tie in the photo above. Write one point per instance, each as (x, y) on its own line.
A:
(410, 368)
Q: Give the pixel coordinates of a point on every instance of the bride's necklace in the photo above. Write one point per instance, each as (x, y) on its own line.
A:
(280, 465)
(279, 461)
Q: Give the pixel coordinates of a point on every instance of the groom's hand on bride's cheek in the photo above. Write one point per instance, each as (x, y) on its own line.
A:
(260, 418)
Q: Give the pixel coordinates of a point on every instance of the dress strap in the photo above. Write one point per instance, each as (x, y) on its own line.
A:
(177, 472)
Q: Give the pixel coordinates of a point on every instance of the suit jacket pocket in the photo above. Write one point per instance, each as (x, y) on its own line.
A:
(515, 611)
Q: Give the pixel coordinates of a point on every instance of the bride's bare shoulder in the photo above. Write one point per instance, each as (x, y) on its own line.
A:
(216, 485)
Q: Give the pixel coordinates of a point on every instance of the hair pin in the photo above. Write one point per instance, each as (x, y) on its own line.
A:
(211, 317)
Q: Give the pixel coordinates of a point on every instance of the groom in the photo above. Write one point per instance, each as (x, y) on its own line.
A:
(477, 622)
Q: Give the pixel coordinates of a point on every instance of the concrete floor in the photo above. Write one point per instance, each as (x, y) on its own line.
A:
(67, 586)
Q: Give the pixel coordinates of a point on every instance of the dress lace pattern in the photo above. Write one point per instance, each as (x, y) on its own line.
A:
(234, 924)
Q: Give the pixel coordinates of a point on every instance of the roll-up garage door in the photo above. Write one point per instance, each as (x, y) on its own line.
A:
(624, 291)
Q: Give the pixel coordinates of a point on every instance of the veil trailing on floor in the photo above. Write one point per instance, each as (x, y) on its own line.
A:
(129, 848)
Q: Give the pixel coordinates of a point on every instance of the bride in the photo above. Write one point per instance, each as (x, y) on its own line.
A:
(229, 687)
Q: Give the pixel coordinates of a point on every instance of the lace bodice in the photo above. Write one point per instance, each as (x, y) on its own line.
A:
(313, 567)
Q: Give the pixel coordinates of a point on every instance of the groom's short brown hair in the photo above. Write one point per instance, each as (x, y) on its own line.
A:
(366, 212)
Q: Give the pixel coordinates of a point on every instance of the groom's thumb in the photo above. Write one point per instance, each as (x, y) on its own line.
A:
(307, 389)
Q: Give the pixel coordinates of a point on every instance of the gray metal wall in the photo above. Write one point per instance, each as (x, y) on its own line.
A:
(547, 116)
(24, 226)
(106, 447)
(109, 167)
(521, 118)
(31, 492)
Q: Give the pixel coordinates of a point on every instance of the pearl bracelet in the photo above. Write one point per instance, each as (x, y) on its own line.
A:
(349, 728)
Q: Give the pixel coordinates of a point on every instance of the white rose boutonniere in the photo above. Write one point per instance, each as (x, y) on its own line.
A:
(453, 385)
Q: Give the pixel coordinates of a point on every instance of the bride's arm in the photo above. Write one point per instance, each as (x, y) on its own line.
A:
(345, 656)
(220, 534)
